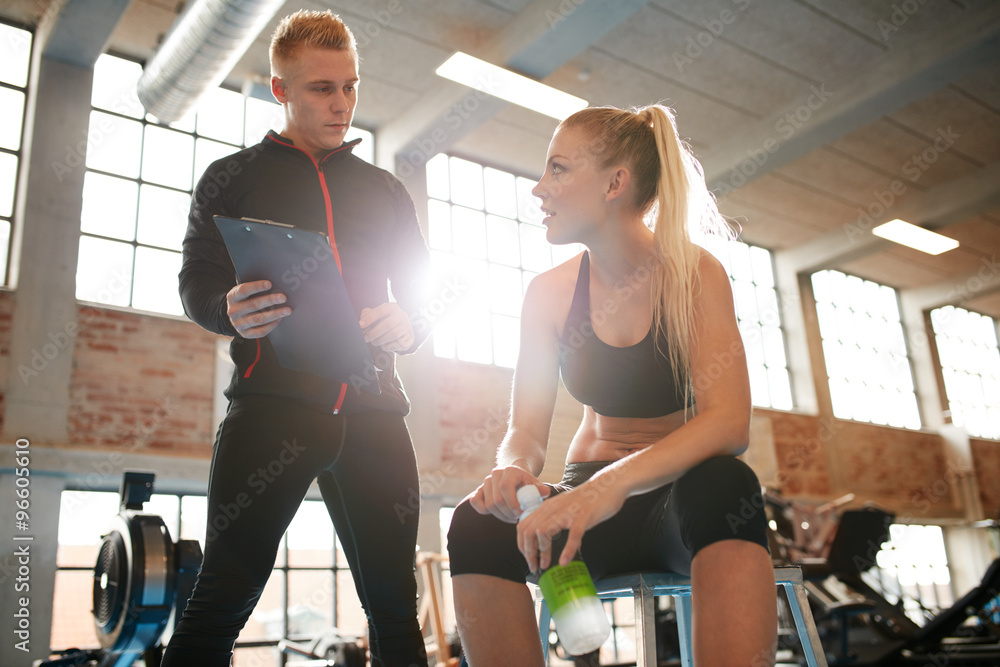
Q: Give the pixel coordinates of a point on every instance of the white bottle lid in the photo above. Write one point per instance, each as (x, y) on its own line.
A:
(529, 497)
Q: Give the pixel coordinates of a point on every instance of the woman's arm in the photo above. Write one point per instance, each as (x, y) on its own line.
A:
(720, 427)
(521, 455)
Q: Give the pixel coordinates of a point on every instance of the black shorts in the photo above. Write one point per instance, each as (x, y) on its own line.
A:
(719, 499)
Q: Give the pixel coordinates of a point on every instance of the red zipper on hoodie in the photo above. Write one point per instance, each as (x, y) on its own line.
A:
(333, 243)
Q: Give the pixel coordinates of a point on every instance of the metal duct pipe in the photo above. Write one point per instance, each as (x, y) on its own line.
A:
(199, 51)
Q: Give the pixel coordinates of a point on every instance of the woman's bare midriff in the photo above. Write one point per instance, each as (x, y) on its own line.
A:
(601, 438)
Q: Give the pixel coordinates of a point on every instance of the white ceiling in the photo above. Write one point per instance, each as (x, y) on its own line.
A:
(846, 104)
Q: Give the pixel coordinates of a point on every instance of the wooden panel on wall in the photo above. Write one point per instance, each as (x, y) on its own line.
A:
(986, 460)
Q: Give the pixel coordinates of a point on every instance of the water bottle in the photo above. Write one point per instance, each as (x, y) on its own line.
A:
(569, 592)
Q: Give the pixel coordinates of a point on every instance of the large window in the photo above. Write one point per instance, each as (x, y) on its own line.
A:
(751, 270)
(15, 55)
(310, 589)
(912, 571)
(865, 351)
(485, 235)
(970, 364)
(140, 174)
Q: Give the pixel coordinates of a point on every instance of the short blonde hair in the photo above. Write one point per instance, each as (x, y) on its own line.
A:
(308, 28)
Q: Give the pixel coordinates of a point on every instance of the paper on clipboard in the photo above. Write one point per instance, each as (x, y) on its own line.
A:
(322, 335)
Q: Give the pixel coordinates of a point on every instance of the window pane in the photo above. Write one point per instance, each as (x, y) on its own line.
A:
(220, 116)
(763, 269)
(268, 618)
(310, 536)
(156, 281)
(206, 152)
(506, 335)
(109, 206)
(310, 603)
(505, 290)
(366, 149)
(261, 116)
(970, 366)
(74, 591)
(11, 115)
(501, 198)
(162, 216)
(466, 183)
(350, 615)
(115, 82)
(83, 518)
(113, 144)
(104, 271)
(193, 518)
(475, 340)
(437, 177)
(469, 232)
(870, 376)
(501, 235)
(15, 52)
(438, 225)
(4, 247)
(167, 157)
(8, 177)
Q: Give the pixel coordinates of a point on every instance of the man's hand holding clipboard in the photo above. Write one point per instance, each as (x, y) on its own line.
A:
(310, 322)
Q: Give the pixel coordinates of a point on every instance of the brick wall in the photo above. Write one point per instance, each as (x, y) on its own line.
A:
(143, 383)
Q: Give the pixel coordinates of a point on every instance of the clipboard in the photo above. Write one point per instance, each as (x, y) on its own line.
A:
(322, 335)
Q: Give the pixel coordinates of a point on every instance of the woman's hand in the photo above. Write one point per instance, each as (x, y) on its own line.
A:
(497, 495)
(575, 511)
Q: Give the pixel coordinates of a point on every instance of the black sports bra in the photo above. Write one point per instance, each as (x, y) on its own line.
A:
(633, 381)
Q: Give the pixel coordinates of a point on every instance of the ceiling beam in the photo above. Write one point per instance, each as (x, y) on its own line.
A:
(536, 42)
(934, 209)
(79, 29)
(830, 110)
(957, 290)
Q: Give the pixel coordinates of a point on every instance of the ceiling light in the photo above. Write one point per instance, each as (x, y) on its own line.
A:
(481, 75)
(919, 238)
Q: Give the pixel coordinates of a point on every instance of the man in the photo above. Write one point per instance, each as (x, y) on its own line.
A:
(354, 442)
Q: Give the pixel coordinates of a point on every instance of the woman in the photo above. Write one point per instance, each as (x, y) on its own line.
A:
(641, 327)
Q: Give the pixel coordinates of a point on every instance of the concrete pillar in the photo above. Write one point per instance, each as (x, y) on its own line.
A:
(27, 558)
(45, 249)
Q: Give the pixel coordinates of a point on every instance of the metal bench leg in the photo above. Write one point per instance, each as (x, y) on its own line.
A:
(798, 603)
(645, 626)
(682, 608)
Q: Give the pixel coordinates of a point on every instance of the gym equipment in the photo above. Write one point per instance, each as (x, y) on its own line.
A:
(863, 627)
(140, 577)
